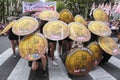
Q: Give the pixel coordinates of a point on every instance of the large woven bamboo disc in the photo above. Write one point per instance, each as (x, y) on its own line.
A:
(33, 46)
(48, 15)
(10, 25)
(97, 52)
(79, 62)
(78, 32)
(66, 16)
(25, 26)
(99, 28)
(56, 30)
(109, 45)
(100, 15)
(79, 18)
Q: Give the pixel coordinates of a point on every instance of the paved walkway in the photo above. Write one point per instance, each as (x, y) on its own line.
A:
(12, 68)
(57, 72)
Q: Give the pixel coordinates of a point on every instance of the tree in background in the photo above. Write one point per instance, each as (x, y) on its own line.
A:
(81, 7)
(76, 6)
(11, 8)
(14, 7)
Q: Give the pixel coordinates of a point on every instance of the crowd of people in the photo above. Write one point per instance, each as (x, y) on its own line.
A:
(14, 39)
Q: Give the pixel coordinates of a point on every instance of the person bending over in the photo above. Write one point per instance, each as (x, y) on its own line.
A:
(35, 65)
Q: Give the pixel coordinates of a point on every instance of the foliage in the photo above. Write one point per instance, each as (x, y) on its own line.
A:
(77, 6)
(60, 6)
(10, 8)
(14, 7)
(81, 7)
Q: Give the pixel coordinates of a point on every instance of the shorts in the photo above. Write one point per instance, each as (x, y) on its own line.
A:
(39, 60)
(50, 40)
(60, 42)
(30, 62)
(68, 39)
(12, 36)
